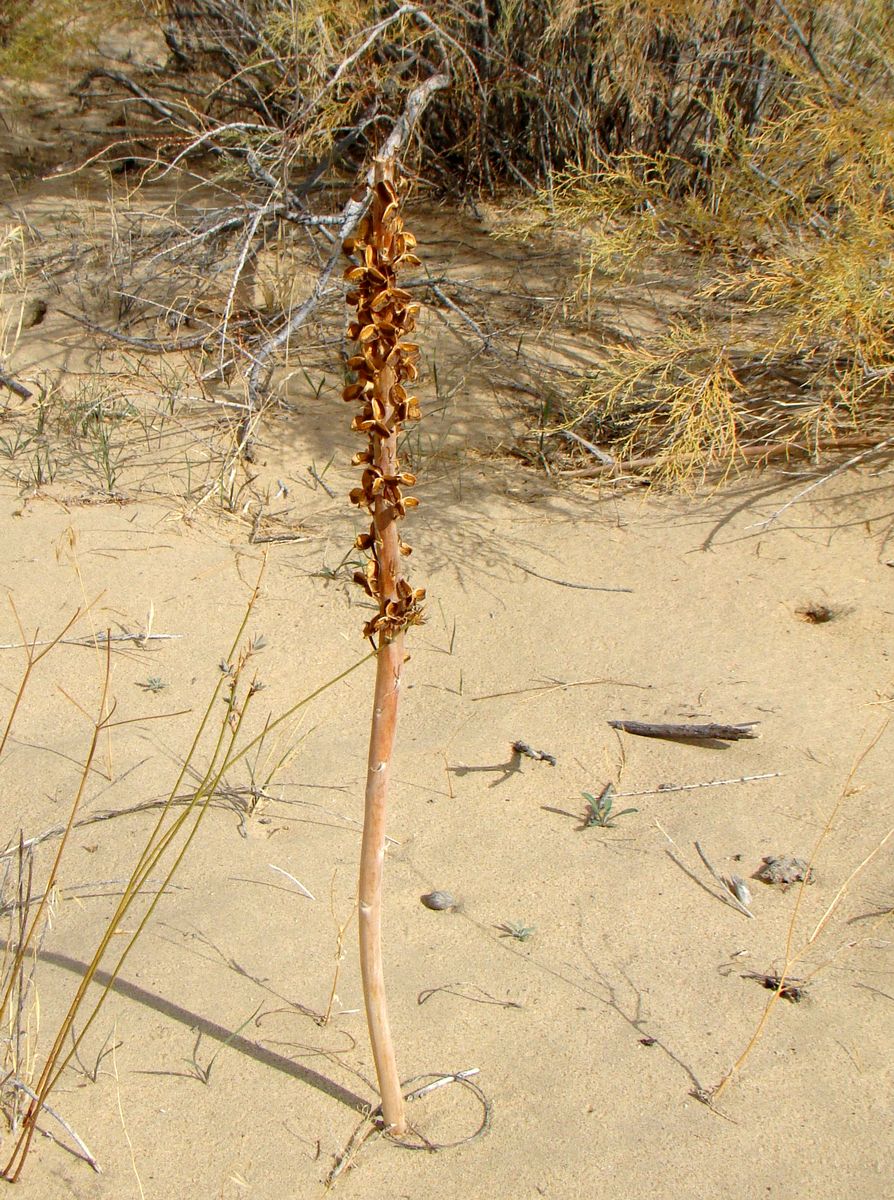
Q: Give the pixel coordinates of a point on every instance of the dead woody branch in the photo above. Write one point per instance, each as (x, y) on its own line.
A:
(688, 733)
(351, 215)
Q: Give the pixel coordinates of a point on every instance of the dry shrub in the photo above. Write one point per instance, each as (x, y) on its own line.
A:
(739, 147)
(537, 86)
(782, 236)
(40, 37)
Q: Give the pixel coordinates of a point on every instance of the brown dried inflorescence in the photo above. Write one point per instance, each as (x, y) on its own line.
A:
(384, 364)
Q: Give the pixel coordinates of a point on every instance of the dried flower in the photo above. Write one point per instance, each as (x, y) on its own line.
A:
(383, 364)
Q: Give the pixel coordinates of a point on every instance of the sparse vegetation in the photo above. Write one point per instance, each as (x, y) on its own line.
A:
(517, 930)
(735, 156)
(661, 252)
(154, 684)
(38, 37)
(774, 228)
(217, 746)
(600, 809)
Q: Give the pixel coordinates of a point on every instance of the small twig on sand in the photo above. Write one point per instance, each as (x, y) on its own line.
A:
(364, 1131)
(297, 882)
(86, 1154)
(709, 732)
(529, 752)
(312, 471)
(271, 538)
(257, 539)
(460, 312)
(605, 458)
(554, 685)
(691, 787)
(19, 389)
(584, 587)
(851, 462)
(442, 1082)
(726, 896)
(727, 893)
(99, 639)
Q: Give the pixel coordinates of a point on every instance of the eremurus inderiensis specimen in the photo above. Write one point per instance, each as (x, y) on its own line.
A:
(384, 366)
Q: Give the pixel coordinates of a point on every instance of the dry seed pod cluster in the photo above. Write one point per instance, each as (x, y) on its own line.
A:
(384, 365)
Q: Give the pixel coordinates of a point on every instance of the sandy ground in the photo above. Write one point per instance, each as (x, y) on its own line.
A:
(209, 1071)
(628, 947)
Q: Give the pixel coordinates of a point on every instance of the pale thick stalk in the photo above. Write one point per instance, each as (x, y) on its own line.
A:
(389, 664)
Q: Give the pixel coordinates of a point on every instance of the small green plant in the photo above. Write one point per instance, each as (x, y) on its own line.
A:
(10, 448)
(103, 456)
(599, 809)
(154, 684)
(92, 1071)
(517, 930)
(317, 388)
(201, 1071)
(347, 563)
(42, 467)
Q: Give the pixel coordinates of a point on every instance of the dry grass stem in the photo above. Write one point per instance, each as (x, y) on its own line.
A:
(792, 956)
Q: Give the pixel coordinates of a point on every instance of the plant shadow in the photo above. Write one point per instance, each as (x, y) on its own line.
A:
(204, 1027)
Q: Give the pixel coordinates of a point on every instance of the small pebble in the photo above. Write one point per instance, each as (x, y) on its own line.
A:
(33, 312)
(439, 901)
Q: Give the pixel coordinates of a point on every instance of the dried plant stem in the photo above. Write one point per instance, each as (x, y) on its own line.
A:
(839, 895)
(342, 927)
(383, 730)
(33, 659)
(383, 363)
(748, 453)
(878, 448)
(691, 787)
(792, 956)
(23, 1143)
(165, 848)
(87, 1154)
(26, 941)
(389, 662)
